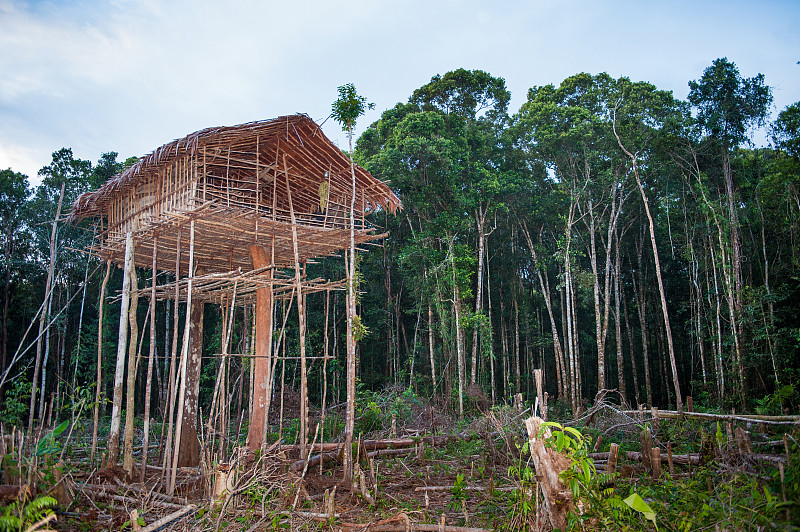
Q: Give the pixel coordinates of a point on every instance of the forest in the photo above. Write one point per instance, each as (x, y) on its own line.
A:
(606, 245)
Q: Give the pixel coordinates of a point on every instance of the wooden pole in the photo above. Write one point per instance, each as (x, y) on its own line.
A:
(263, 348)
(184, 357)
(173, 358)
(301, 310)
(150, 358)
(122, 339)
(127, 457)
(99, 360)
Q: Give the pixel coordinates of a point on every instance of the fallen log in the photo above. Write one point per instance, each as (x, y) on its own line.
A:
(415, 527)
(10, 492)
(467, 488)
(103, 492)
(396, 444)
(167, 519)
(749, 418)
(691, 458)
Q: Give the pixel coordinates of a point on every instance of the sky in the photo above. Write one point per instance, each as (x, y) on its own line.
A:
(131, 75)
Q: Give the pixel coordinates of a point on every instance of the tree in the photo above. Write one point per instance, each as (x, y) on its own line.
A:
(14, 193)
(69, 176)
(727, 107)
(346, 110)
(786, 130)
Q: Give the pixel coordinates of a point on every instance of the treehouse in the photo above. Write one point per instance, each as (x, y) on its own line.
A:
(241, 185)
(235, 213)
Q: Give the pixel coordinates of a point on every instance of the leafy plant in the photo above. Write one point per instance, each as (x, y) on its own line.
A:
(772, 404)
(21, 514)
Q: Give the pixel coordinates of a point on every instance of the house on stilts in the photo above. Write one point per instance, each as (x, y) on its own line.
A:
(234, 213)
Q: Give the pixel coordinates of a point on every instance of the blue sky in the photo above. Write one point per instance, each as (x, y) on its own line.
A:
(131, 75)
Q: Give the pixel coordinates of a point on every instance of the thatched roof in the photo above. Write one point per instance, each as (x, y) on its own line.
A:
(311, 152)
(235, 183)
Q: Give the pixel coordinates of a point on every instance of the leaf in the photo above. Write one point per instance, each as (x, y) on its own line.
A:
(61, 428)
(638, 504)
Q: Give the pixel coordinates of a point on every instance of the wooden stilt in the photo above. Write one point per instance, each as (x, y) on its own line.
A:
(263, 349)
(184, 357)
(127, 458)
(150, 358)
(173, 388)
(122, 343)
(301, 311)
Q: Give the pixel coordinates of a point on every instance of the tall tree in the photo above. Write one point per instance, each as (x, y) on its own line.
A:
(346, 110)
(728, 106)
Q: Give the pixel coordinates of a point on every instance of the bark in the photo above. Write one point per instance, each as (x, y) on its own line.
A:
(549, 465)
(189, 448)
(459, 333)
(122, 344)
(127, 456)
(173, 382)
(618, 324)
(262, 363)
(641, 308)
(517, 372)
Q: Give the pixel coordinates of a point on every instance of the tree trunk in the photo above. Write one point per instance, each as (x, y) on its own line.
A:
(48, 294)
(641, 308)
(130, 404)
(262, 363)
(480, 222)
(189, 448)
(150, 359)
(351, 314)
(122, 344)
(617, 322)
(96, 414)
(431, 341)
(459, 333)
(656, 260)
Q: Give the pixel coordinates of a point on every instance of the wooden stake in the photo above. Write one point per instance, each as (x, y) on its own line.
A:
(669, 459)
(613, 453)
(655, 461)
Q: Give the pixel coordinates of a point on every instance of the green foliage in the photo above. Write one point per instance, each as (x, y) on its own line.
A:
(728, 105)
(49, 443)
(16, 402)
(637, 503)
(20, 515)
(773, 403)
(349, 106)
(459, 493)
(786, 131)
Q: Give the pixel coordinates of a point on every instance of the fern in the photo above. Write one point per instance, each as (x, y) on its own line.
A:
(18, 516)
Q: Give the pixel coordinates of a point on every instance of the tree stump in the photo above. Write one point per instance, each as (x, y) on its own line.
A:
(548, 465)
